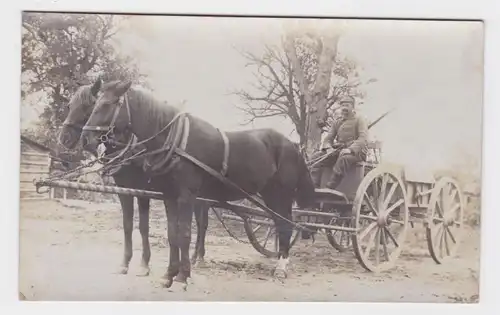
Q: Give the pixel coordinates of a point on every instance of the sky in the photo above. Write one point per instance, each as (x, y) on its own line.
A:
(431, 72)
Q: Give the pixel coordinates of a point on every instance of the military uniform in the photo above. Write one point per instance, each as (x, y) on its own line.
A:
(351, 133)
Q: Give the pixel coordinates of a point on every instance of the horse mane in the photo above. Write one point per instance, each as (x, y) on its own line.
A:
(83, 95)
(154, 111)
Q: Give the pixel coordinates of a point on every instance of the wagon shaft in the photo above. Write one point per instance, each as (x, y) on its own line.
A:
(236, 208)
(100, 188)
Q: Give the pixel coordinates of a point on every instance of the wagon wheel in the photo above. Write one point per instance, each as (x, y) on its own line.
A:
(340, 240)
(226, 216)
(444, 219)
(261, 233)
(380, 216)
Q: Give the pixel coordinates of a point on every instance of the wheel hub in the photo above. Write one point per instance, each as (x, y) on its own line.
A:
(382, 219)
(448, 221)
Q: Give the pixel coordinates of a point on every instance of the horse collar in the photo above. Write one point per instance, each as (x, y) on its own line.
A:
(177, 139)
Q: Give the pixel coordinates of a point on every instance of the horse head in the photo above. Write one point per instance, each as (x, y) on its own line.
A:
(110, 116)
(80, 107)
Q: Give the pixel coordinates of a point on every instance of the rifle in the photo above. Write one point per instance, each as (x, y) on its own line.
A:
(380, 118)
(336, 150)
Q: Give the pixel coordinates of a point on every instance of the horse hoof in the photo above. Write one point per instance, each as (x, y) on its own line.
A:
(280, 274)
(182, 280)
(143, 272)
(166, 283)
(123, 270)
(184, 286)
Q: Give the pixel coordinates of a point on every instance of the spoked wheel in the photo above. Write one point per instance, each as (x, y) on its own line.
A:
(261, 233)
(340, 240)
(444, 219)
(226, 218)
(380, 213)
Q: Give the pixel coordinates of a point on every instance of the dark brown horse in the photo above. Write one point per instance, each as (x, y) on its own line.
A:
(262, 162)
(128, 176)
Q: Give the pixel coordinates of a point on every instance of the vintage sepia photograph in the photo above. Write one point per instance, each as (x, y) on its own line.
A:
(231, 158)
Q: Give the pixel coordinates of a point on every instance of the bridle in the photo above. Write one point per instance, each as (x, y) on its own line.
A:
(108, 137)
(78, 127)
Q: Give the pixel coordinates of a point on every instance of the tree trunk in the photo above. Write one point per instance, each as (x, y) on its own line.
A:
(318, 105)
(317, 100)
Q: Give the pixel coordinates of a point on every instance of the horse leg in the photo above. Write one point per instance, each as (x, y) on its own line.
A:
(282, 205)
(173, 241)
(284, 230)
(203, 228)
(185, 216)
(127, 203)
(201, 215)
(196, 211)
(144, 229)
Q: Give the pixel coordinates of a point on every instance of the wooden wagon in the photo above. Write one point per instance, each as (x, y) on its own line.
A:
(370, 213)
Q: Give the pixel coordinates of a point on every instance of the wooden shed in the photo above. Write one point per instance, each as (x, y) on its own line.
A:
(35, 163)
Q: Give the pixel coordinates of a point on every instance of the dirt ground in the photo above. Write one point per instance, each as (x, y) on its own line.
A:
(71, 250)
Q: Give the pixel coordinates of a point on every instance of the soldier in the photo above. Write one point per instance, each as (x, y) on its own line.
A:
(350, 133)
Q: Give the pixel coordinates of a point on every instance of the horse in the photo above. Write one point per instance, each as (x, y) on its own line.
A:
(80, 107)
(190, 158)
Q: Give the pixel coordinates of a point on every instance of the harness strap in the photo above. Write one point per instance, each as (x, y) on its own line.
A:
(177, 137)
(185, 134)
(174, 120)
(183, 144)
(180, 140)
(117, 112)
(226, 153)
(229, 183)
(129, 125)
(113, 170)
(132, 140)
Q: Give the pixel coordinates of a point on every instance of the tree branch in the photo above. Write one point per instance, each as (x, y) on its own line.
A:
(285, 76)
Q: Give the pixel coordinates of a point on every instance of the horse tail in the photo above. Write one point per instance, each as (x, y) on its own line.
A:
(291, 169)
(305, 190)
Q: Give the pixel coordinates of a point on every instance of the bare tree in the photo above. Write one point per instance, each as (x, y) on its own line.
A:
(300, 79)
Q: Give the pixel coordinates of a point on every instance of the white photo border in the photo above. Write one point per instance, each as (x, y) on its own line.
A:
(486, 10)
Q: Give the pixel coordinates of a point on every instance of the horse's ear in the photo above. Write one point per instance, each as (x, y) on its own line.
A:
(123, 87)
(96, 86)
